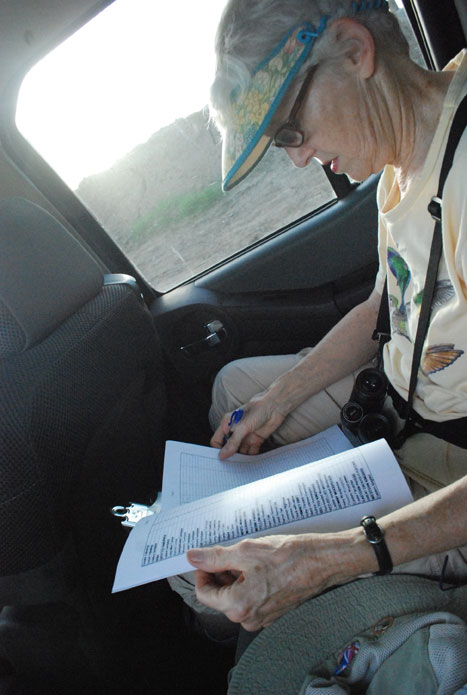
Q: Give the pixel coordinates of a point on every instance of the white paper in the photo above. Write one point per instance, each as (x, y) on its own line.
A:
(329, 495)
(192, 472)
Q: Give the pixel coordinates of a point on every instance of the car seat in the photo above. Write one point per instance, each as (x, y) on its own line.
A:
(82, 408)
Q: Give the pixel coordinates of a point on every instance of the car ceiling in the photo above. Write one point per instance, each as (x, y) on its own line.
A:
(29, 29)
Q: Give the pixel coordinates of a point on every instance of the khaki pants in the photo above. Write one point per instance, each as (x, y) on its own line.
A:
(428, 463)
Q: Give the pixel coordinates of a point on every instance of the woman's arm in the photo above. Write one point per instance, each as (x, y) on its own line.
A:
(255, 581)
(345, 348)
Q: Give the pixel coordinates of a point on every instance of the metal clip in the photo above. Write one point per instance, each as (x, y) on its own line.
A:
(380, 336)
(434, 208)
(132, 514)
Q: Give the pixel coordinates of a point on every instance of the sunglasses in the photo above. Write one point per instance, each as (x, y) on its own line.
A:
(289, 134)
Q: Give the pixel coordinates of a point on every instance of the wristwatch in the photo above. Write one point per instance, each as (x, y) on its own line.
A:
(375, 535)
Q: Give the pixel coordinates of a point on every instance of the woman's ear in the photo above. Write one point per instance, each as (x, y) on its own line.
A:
(357, 46)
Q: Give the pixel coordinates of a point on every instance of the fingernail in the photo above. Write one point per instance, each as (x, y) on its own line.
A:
(196, 555)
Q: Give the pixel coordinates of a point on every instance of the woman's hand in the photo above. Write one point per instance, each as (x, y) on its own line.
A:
(256, 581)
(262, 416)
(345, 348)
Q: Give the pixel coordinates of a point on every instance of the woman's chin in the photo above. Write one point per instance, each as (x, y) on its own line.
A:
(356, 174)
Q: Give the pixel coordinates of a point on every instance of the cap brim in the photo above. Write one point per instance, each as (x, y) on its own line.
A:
(278, 660)
(236, 174)
(246, 140)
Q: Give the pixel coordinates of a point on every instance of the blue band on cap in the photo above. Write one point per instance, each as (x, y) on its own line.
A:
(307, 36)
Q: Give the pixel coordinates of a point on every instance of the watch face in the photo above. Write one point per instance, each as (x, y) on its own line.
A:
(372, 530)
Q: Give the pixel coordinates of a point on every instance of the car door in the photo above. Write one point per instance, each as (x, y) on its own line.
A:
(276, 298)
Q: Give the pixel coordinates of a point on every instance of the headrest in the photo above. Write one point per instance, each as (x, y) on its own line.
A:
(45, 275)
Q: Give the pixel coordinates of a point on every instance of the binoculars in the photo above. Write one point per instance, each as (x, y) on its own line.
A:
(362, 419)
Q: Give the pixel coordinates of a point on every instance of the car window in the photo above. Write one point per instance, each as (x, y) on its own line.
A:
(118, 111)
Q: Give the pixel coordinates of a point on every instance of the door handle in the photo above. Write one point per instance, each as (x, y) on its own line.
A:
(216, 334)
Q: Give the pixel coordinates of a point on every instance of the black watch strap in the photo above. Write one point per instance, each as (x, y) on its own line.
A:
(375, 535)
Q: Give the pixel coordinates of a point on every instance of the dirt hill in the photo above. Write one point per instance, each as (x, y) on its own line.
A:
(163, 204)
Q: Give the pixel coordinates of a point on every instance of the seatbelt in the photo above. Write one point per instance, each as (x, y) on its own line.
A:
(413, 421)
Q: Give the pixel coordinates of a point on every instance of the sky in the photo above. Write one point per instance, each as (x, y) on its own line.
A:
(133, 69)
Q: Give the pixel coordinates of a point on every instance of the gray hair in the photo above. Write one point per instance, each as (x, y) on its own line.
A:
(250, 29)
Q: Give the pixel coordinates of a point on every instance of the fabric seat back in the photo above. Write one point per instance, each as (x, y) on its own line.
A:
(82, 406)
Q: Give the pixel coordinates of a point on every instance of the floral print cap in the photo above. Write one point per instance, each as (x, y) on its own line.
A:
(245, 141)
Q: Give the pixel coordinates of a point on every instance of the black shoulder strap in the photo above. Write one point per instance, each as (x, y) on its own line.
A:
(458, 126)
(382, 332)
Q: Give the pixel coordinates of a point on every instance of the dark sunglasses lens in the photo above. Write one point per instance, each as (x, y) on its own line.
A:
(288, 137)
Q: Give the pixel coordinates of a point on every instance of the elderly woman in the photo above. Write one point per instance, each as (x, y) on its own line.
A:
(332, 80)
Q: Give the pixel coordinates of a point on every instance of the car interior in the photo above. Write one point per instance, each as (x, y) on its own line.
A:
(100, 364)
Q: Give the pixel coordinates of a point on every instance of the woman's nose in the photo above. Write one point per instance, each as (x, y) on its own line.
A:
(300, 156)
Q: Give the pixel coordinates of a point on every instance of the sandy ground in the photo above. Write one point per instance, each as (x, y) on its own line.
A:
(273, 196)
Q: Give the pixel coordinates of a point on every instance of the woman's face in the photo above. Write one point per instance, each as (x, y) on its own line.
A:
(338, 128)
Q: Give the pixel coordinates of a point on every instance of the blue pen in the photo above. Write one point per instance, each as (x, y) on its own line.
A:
(234, 419)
